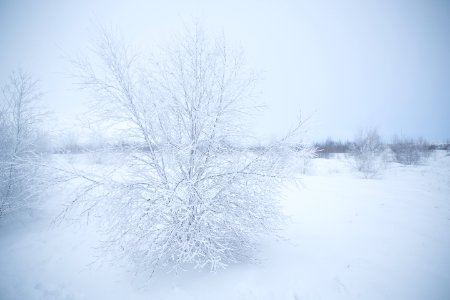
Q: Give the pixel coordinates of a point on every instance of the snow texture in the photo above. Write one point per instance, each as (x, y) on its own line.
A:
(347, 238)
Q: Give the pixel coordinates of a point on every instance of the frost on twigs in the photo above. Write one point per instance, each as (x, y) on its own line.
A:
(185, 191)
(20, 143)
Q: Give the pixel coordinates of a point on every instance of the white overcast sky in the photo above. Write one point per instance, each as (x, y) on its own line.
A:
(351, 64)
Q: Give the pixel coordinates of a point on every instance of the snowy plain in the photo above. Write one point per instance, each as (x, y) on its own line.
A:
(345, 238)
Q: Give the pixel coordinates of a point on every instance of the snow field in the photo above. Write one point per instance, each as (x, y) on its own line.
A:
(345, 238)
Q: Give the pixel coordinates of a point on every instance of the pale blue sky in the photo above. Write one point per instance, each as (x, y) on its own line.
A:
(352, 64)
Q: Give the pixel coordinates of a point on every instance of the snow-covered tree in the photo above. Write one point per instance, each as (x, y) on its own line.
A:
(368, 151)
(409, 151)
(19, 117)
(183, 192)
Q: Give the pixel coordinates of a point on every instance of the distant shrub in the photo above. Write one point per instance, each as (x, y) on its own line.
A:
(368, 151)
(409, 151)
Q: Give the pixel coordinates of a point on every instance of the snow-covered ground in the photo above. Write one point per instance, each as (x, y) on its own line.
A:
(346, 238)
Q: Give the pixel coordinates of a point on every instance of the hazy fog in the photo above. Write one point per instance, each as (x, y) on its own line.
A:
(350, 64)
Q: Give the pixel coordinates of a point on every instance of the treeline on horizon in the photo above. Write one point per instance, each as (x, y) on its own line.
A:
(404, 150)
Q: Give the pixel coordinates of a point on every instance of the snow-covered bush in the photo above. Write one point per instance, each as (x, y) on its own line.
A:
(183, 193)
(408, 151)
(368, 151)
(20, 139)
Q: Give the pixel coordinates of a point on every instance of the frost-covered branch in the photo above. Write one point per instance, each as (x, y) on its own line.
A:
(184, 193)
(19, 141)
